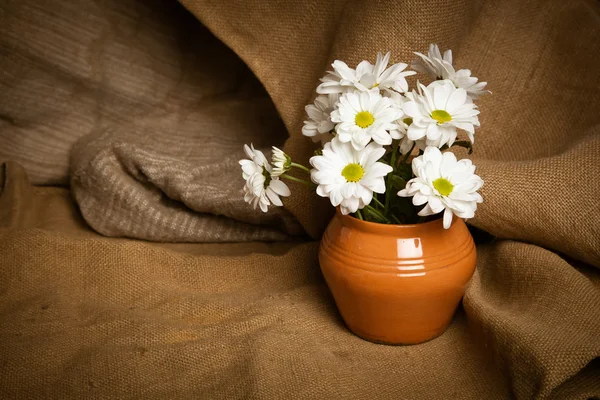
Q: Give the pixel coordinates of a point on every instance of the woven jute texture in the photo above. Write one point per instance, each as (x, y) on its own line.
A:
(539, 146)
(153, 110)
(84, 316)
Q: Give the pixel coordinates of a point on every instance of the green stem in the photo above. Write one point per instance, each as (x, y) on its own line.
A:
(378, 202)
(359, 214)
(408, 154)
(300, 166)
(380, 215)
(393, 164)
(302, 181)
(394, 153)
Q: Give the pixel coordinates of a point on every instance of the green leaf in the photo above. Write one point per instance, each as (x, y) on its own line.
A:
(396, 182)
(373, 217)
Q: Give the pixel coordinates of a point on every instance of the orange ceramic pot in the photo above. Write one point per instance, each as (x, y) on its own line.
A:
(397, 284)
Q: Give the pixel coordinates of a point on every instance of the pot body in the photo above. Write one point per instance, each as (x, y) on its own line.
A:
(396, 284)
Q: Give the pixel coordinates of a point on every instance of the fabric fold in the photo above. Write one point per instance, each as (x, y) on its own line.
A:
(153, 110)
(256, 320)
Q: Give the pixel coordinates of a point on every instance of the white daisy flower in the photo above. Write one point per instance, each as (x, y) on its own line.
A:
(362, 116)
(365, 77)
(282, 163)
(437, 111)
(400, 131)
(262, 188)
(440, 67)
(331, 82)
(463, 79)
(443, 184)
(434, 64)
(349, 176)
(319, 126)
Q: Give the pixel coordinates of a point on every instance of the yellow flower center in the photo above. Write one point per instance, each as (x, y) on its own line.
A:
(364, 119)
(353, 172)
(407, 121)
(443, 186)
(441, 116)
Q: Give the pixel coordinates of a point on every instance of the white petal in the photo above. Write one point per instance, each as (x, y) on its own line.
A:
(321, 191)
(344, 210)
(248, 151)
(433, 132)
(347, 190)
(403, 193)
(425, 211)
(368, 80)
(378, 170)
(264, 206)
(351, 204)
(419, 199)
(313, 112)
(447, 218)
(343, 70)
(279, 187)
(381, 137)
(367, 196)
(469, 186)
(377, 185)
(415, 132)
(432, 171)
(381, 63)
(456, 99)
(447, 164)
(411, 109)
(440, 96)
(435, 204)
(432, 154)
(273, 197)
(336, 198)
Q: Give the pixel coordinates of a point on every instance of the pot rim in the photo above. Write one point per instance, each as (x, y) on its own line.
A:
(356, 223)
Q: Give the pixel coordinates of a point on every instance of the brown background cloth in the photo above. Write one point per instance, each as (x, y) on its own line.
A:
(160, 118)
(145, 92)
(538, 148)
(84, 316)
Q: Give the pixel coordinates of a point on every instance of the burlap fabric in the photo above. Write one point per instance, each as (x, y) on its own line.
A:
(540, 128)
(87, 316)
(162, 118)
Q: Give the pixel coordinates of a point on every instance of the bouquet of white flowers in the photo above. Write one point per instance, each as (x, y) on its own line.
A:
(369, 125)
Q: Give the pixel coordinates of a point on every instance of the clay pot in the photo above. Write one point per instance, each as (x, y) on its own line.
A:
(396, 284)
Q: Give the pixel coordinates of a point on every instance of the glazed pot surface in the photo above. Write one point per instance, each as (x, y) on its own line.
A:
(397, 284)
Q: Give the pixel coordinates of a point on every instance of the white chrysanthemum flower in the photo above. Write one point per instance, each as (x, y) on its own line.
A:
(262, 188)
(437, 111)
(463, 79)
(362, 116)
(331, 82)
(440, 67)
(349, 176)
(443, 184)
(434, 64)
(319, 126)
(365, 77)
(400, 131)
(282, 163)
